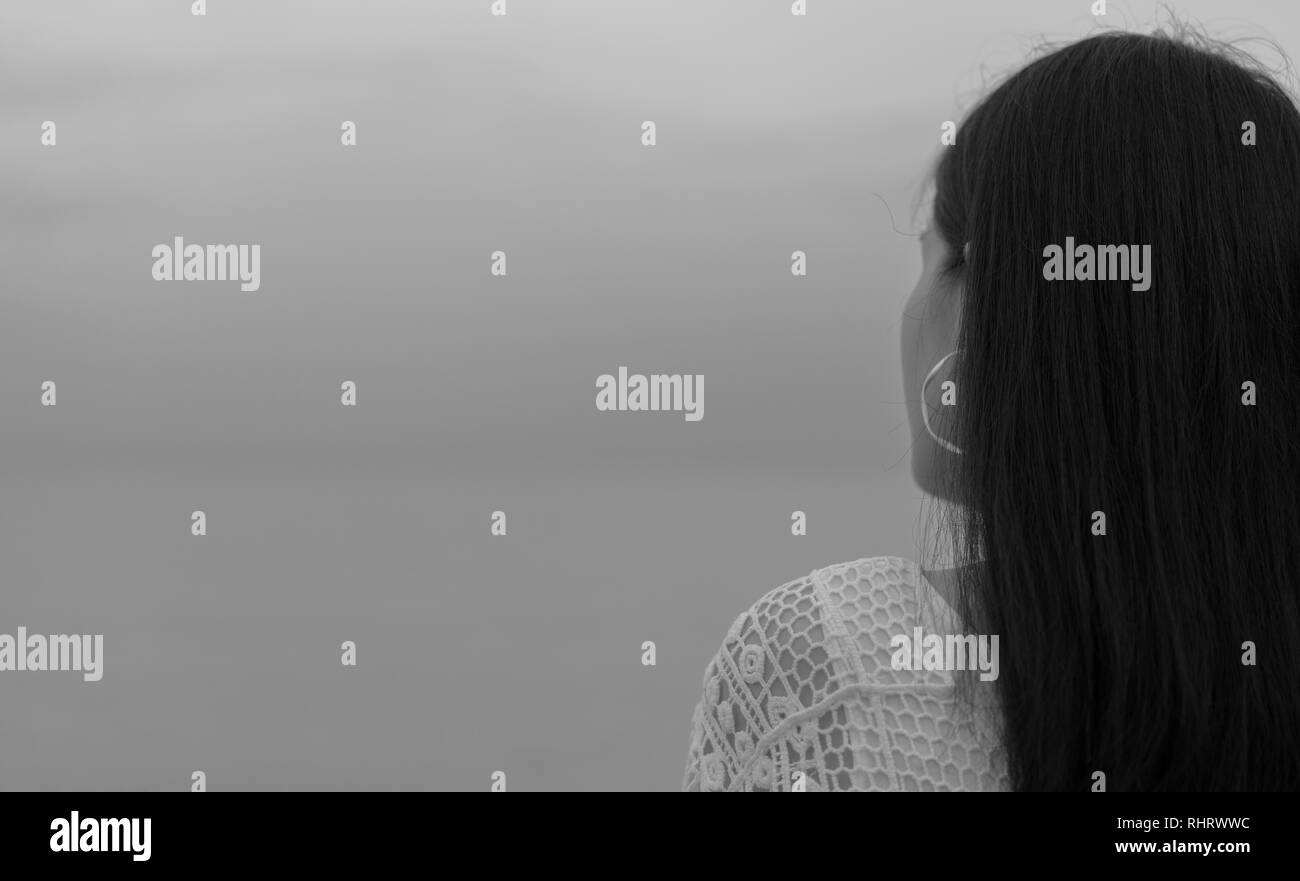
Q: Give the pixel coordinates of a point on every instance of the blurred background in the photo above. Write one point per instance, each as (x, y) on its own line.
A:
(476, 393)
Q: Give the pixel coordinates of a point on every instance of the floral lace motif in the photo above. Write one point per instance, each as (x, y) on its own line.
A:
(802, 694)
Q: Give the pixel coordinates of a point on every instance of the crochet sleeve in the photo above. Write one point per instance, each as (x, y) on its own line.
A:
(803, 694)
(769, 719)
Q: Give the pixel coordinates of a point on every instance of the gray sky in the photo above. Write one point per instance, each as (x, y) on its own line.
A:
(474, 393)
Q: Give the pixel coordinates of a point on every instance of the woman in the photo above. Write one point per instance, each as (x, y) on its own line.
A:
(1117, 448)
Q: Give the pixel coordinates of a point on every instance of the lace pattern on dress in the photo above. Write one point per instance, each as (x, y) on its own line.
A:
(802, 694)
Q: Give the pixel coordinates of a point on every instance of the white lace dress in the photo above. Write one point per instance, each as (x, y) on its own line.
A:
(802, 694)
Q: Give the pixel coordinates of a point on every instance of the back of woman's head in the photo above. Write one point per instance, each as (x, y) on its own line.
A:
(1159, 642)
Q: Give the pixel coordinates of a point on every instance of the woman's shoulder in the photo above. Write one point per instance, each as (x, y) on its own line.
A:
(887, 582)
(890, 579)
(850, 611)
(880, 591)
(790, 666)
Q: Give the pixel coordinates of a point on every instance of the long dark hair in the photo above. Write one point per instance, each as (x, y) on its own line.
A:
(1124, 653)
